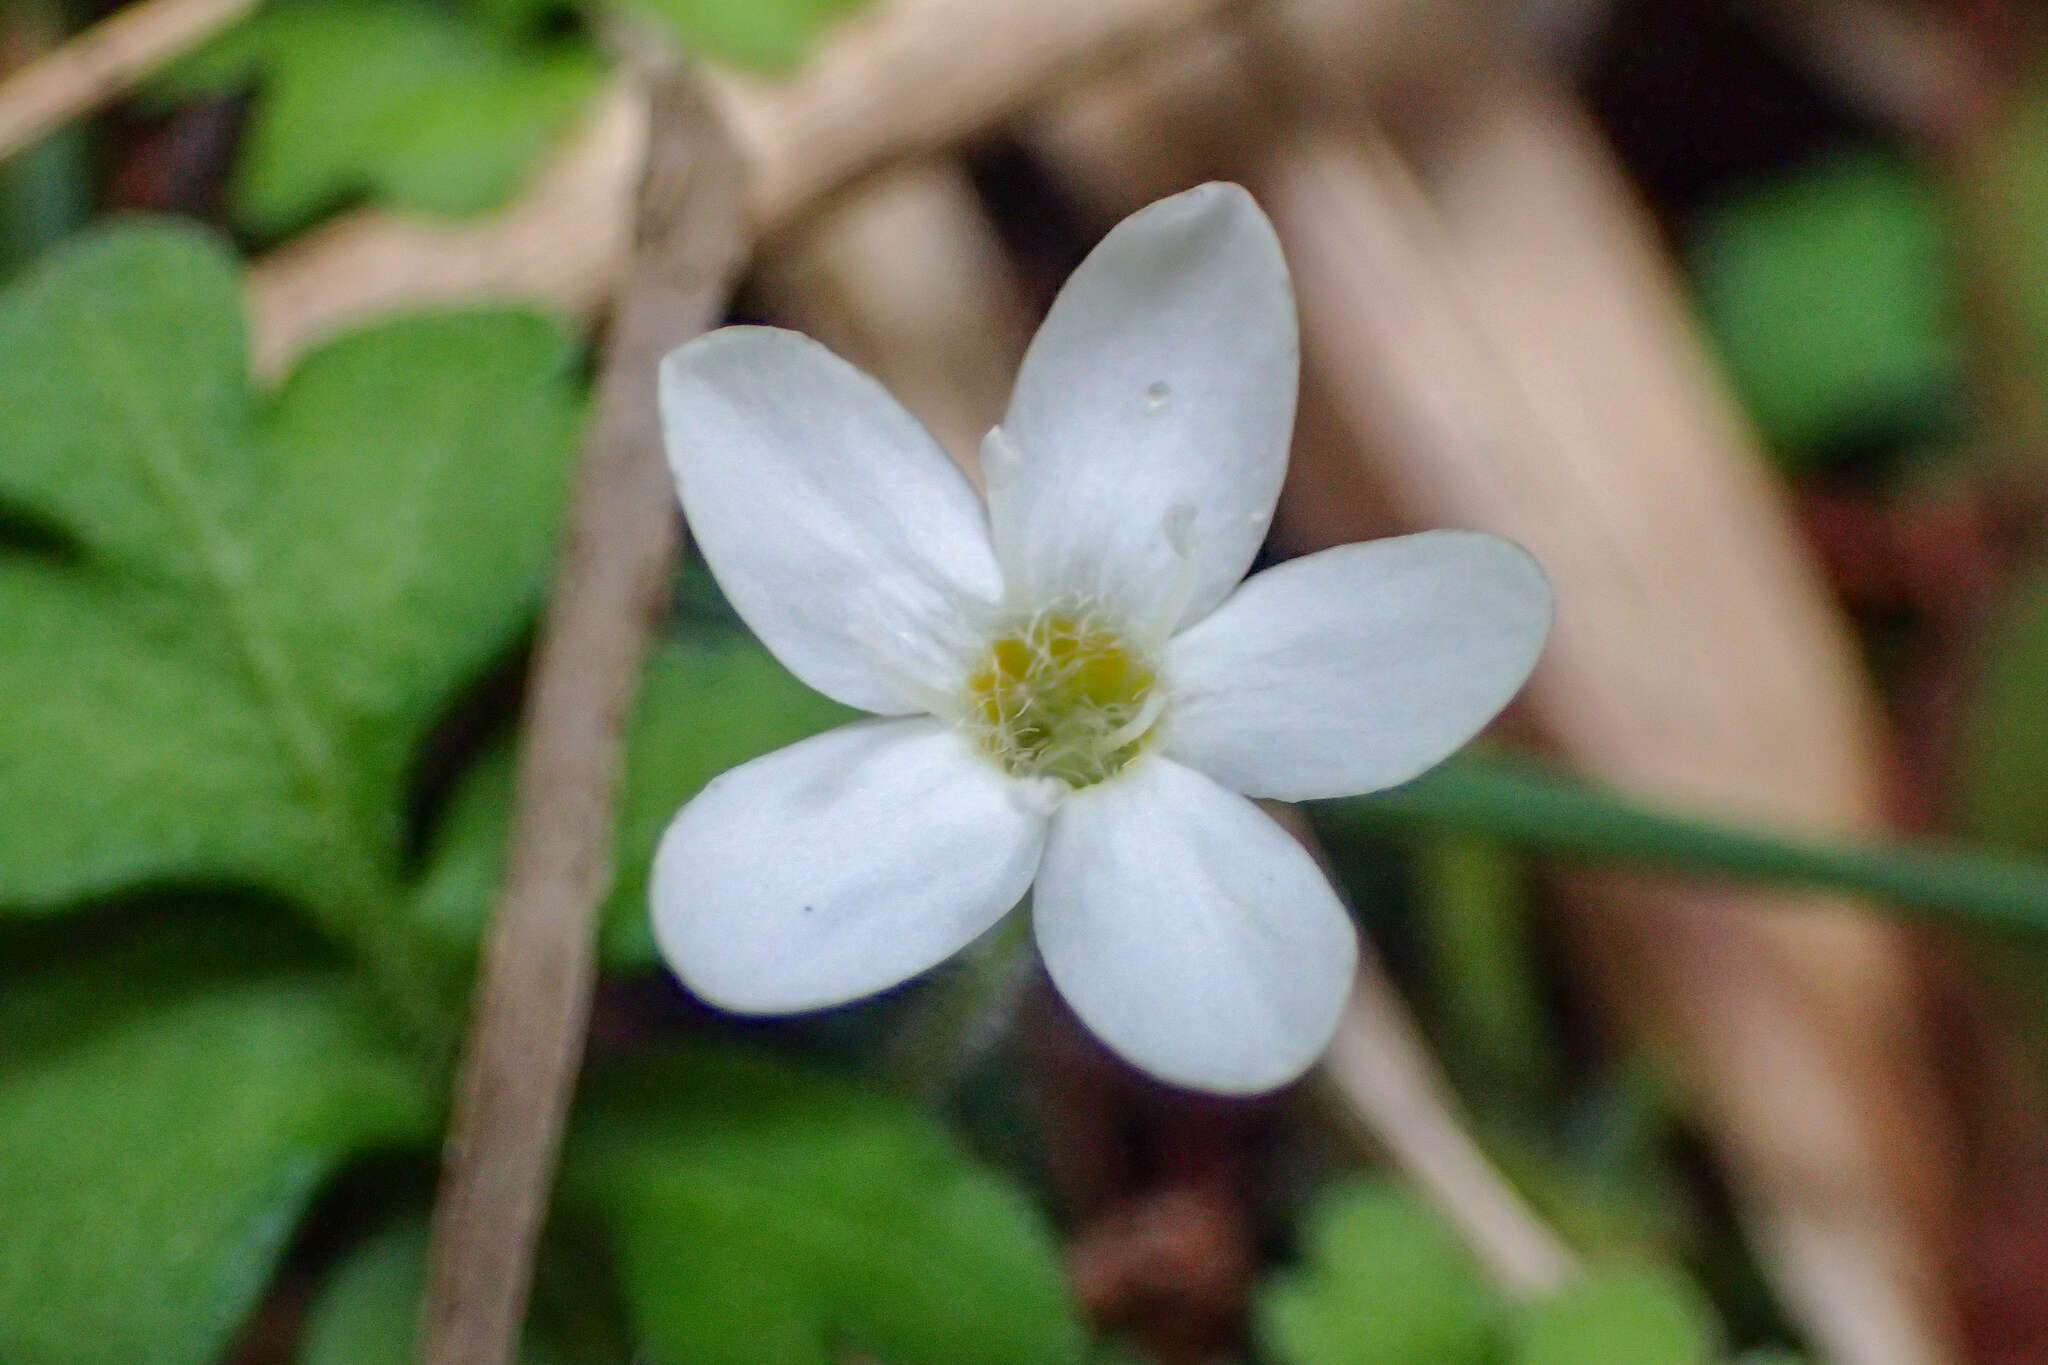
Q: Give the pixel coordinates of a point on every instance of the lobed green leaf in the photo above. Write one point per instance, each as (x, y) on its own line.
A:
(1382, 1283)
(765, 1214)
(169, 1103)
(1640, 1314)
(244, 611)
(1830, 296)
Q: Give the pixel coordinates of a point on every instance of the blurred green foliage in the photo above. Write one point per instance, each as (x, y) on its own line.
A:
(1830, 294)
(433, 106)
(2000, 786)
(768, 1215)
(1640, 1314)
(1533, 806)
(2002, 782)
(1383, 1282)
(1477, 941)
(2001, 190)
(770, 36)
(410, 103)
(172, 1094)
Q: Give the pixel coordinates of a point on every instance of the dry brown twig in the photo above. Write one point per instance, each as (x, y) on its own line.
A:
(104, 62)
(912, 77)
(562, 245)
(908, 77)
(533, 992)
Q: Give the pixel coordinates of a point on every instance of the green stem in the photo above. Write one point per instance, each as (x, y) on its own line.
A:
(1547, 812)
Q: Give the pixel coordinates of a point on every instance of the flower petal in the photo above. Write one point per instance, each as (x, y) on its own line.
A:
(1358, 667)
(840, 866)
(834, 523)
(1190, 932)
(1160, 389)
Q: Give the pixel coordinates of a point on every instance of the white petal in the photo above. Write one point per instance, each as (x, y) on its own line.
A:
(1190, 932)
(840, 866)
(1161, 387)
(1356, 668)
(834, 523)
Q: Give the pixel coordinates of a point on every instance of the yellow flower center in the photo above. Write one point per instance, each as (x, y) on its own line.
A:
(1062, 697)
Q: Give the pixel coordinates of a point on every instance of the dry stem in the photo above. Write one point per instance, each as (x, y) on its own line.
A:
(1381, 1067)
(104, 62)
(909, 77)
(533, 993)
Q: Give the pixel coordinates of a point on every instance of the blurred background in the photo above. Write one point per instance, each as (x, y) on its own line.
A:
(1706, 1017)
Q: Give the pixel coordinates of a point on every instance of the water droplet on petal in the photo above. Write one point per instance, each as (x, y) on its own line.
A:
(1156, 394)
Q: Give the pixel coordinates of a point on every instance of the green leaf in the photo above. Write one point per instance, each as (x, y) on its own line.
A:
(2002, 781)
(769, 1215)
(1641, 1315)
(368, 1310)
(705, 705)
(1383, 1282)
(1830, 296)
(369, 1307)
(409, 103)
(169, 1103)
(2001, 785)
(769, 35)
(259, 604)
(1475, 933)
(2000, 197)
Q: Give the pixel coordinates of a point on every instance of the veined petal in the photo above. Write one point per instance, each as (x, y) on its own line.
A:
(1189, 932)
(1358, 667)
(1159, 391)
(840, 866)
(836, 526)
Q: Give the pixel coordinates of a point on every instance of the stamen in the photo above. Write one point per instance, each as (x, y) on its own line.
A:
(1063, 696)
(1155, 702)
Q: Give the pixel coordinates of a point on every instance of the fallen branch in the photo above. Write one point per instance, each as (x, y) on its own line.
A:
(918, 76)
(533, 991)
(563, 245)
(104, 62)
(909, 77)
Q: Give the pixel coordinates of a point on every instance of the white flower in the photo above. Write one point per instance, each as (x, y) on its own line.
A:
(1074, 695)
